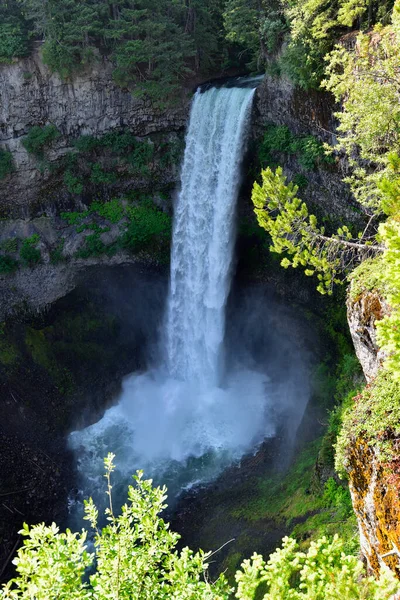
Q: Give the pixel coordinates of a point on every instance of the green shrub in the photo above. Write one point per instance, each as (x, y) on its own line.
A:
(75, 217)
(10, 246)
(39, 138)
(73, 184)
(308, 149)
(56, 255)
(99, 175)
(29, 254)
(338, 496)
(113, 211)
(135, 556)
(147, 225)
(95, 247)
(87, 143)
(8, 264)
(13, 39)
(6, 163)
(300, 180)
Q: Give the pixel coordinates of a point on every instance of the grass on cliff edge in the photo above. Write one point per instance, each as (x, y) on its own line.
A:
(309, 509)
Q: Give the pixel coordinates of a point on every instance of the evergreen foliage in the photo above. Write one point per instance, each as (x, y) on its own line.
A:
(295, 233)
(366, 79)
(13, 32)
(308, 149)
(154, 44)
(8, 264)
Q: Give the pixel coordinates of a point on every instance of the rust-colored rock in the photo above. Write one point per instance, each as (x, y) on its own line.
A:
(375, 491)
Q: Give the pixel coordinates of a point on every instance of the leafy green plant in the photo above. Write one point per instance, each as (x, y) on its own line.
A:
(6, 163)
(147, 225)
(93, 246)
(295, 233)
(56, 255)
(13, 38)
(135, 556)
(10, 246)
(112, 211)
(29, 253)
(40, 138)
(323, 572)
(8, 264)
(99, 175)
(73, 184)
(309, 150)
(74, 217)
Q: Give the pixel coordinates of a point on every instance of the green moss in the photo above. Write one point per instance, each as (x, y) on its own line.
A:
(41, 350)
(9, 353)
(374, 415)
(367, 277)
(284, 498)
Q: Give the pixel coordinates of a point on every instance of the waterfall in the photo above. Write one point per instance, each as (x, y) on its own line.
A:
(188, 418)
(203, 235)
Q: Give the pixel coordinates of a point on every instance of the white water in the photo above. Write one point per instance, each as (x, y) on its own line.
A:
(204, 235)
(187, 419)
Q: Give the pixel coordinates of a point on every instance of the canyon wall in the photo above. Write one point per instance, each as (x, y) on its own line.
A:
(91, 104)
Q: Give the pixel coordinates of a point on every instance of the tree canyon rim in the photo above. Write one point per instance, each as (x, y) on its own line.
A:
(193, 412)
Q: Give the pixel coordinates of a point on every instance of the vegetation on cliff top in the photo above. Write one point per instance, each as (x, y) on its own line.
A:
(155, 44)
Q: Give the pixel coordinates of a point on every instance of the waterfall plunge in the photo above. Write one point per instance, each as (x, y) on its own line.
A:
(187, 419)
(203, 234)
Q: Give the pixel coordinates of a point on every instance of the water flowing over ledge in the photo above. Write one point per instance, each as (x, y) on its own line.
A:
(189, 417)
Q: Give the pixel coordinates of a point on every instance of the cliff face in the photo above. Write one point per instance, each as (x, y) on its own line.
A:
(374, 484)
(32, 197)
(90, 105)
(278, 102)
(375, 491)
(362, 314)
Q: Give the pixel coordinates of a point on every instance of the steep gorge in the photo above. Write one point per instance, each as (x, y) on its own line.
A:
(33, 197)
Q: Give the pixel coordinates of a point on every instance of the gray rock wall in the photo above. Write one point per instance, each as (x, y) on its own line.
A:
(278, 102)
(90, 105)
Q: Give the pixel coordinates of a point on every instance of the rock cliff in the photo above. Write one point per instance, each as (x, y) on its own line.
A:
(362, 314)
(375, 491)
(91, 104)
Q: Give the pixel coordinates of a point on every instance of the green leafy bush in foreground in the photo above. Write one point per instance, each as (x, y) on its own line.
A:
(135, 556)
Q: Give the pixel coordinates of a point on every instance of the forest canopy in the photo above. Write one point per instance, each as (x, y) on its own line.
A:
(156, 44)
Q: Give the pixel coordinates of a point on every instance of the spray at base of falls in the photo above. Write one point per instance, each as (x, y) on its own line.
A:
(189, 418)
